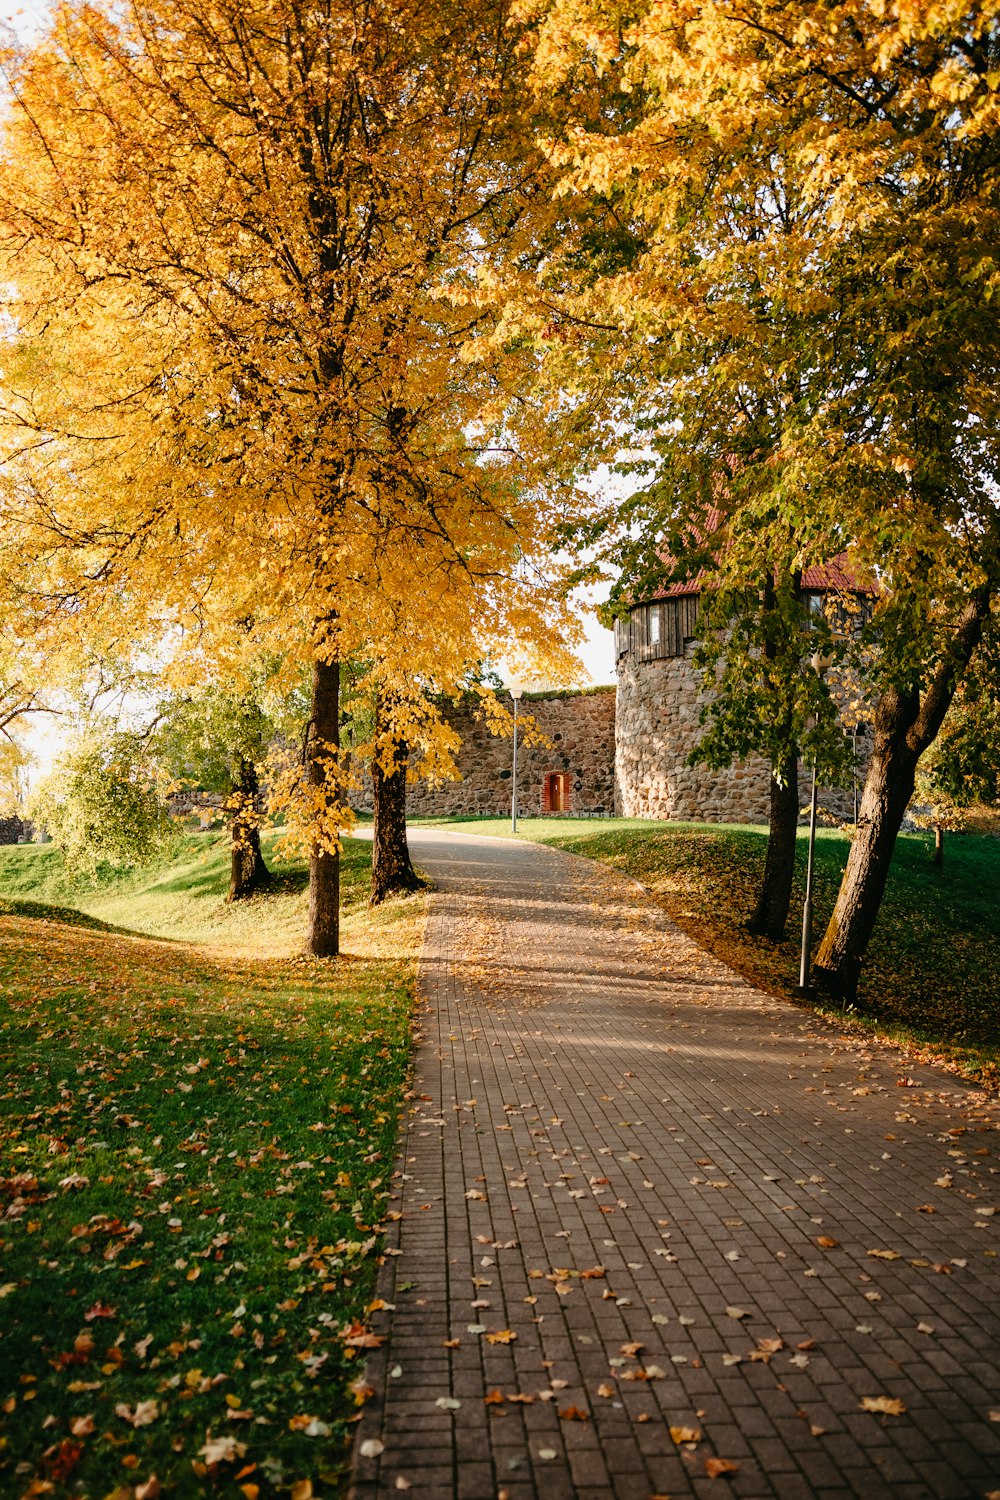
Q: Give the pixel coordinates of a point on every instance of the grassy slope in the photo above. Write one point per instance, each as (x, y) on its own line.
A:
(932, 972)
(194, 1156)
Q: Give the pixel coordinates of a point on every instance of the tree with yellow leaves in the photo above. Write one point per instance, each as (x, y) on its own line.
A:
(251, 399)
(803, 279)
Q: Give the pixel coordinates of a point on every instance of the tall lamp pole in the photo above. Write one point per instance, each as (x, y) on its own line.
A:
(820, 664)
(515, 692)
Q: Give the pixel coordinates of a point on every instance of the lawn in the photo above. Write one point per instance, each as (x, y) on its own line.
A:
(195, 1154)
(932, 974)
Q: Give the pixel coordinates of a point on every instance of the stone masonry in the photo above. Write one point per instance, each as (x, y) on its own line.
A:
(579, 729)
(658, 725)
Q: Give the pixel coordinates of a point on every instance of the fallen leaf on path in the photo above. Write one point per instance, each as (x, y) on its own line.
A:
(715, 1467)
(686, 1434)
(886, 1405)
(501, 1336)
(885, 1255)
(371, 1448)
(737, 1313)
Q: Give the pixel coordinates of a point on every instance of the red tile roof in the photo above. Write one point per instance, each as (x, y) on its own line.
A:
(835, 576)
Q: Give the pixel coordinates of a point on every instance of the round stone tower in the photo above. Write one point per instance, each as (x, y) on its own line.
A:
(657, 717)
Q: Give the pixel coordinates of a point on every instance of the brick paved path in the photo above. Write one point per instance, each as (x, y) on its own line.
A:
(592, 1090)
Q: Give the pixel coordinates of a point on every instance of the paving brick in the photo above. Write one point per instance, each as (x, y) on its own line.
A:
(599, 1042)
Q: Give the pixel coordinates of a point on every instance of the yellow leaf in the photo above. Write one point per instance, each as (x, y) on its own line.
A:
(886, 1405)
(686, 1434)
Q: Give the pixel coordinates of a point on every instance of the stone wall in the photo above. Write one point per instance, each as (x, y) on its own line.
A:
(659, 703)
(14, 830)
(580, 728)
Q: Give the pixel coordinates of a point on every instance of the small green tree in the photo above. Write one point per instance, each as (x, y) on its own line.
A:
(958, 780)
(216, 739)
(104, 802)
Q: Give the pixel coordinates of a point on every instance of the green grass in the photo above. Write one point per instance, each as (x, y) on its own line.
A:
(931, 976)
(195, 1153)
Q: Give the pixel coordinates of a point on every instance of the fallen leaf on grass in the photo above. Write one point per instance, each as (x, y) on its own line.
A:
(151, 1490)
(99, 1310)
(82, 1426)
(222, 1450)
(886, 1405)
(715, 1467)
(145, 1412)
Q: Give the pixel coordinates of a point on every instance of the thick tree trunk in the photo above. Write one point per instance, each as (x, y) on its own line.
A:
(938, 848)
(392, 869)
(771, 913)
(324, 865)
(248, 872)
(904, 728)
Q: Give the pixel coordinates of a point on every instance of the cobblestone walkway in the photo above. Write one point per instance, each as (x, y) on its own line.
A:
(651, 1220)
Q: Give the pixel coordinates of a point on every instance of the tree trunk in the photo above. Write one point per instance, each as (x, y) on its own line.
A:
(392, 869)
(771, 913)
(938, 847)
(324, 864)
(904, 728)
(248, 872)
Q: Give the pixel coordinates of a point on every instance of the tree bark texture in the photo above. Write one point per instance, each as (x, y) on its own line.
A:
(938, 847)
(904, 727)
(324, 867)
(771, 913)
(248, 872)
(392, 869)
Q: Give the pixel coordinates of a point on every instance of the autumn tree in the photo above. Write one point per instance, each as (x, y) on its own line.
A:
(812, 200)
(251, 380)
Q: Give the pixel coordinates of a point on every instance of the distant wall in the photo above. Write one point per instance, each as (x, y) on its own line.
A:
(580, 727)
(13, 830)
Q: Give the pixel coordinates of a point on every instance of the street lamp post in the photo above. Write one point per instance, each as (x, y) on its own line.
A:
(515, 692)
(821, 664)
(807, 910)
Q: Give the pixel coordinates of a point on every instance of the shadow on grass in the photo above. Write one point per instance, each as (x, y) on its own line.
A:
(68, 915)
